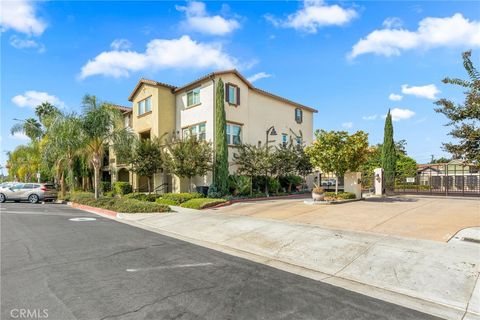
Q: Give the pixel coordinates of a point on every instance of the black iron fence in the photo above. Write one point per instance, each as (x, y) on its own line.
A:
(444, 179)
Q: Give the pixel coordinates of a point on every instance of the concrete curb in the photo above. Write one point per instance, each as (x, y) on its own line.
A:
(103, 212)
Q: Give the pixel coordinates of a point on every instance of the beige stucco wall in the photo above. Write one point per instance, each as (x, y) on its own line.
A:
(256, 113)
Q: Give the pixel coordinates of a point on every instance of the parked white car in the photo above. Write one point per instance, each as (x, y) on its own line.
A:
(31, 192)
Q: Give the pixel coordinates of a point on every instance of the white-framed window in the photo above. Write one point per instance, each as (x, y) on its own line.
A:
(284, 139)
(234, 134)
(298, 115)
(145, 106)
(198, 130)
(193, 97)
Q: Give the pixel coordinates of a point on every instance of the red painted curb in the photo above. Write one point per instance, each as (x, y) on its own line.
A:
(290, 196)
(94, 209)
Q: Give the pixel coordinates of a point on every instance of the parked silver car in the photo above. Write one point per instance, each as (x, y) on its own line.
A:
(32, 192)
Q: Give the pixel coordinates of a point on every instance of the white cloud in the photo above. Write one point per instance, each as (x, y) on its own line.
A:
(372, 117)
(120, 44)
(429, 91)
(33, 98)
(347, 125)
(160, 54)
(19, 43)
(454, 31)
(20, 16)
(19, 136)
(313, 15)
(395, 97)
(401, 114)
(392, 23)
(197, 19)
(258, 76)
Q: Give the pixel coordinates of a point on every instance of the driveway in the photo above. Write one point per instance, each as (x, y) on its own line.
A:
(434, 218)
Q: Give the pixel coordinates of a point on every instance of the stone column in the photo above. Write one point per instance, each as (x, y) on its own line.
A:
(378, 172)
(353, 183)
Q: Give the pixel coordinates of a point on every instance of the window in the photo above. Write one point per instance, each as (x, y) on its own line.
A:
(298, 115)
(145, 106)
(28, 186)
(232, 94)
(299, 141)
(284, 139)
(234, 132)
(198, 130)
(193, 97)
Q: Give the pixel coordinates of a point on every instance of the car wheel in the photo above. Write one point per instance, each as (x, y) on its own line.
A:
(2, 198)
(33, 198)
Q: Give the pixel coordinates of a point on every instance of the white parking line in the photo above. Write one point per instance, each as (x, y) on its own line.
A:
(171, 267)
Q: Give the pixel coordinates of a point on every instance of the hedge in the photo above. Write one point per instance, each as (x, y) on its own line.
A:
(143, 196)
(121, 188)
(123, 205)
(180, 198)
(202, 203)
(412, 186)
(340, 195)
(167, 202)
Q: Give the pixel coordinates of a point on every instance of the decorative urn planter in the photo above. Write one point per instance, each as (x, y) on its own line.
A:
(318, 194)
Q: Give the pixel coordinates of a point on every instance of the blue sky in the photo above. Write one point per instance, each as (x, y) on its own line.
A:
(350, 60)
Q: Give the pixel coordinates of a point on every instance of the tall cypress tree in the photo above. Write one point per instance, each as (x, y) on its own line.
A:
(220, 169)
(389, 154)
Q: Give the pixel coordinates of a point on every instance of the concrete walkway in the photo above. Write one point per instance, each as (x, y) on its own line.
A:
(436, 278)
(429, 218)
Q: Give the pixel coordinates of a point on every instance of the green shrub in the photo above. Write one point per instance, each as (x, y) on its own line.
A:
(290, 182)
(143, 196)
(122, 188)
(109, 194)
(167, 202)
(202, 203)
(273, 185)
(124, 205)
(179, 198)
(213, 192)
(340, 195)
(412, 187)
(106, 186)
(239, 185)
(136, 206)
(78, 196)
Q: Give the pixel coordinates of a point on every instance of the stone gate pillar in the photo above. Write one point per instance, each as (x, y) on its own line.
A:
(353, 183)
(379, 189)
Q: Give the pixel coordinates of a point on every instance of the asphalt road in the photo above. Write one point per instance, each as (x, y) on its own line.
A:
(55, 268)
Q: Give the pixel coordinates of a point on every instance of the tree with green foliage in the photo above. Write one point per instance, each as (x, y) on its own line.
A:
(101, 124)
(405, 167)
(220, 168)
(464, 118)
(338, 152)
(64, 141)
(188, 158)
(46, 112)
(389, 156)
(29, 127)
(142, 156)
(254, 161)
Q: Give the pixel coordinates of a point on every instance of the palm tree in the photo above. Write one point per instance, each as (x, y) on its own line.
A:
(30, 127)
(65, 140)
(101, 125)
(46, 112)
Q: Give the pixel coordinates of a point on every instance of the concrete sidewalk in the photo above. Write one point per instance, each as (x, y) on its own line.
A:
(436, 278)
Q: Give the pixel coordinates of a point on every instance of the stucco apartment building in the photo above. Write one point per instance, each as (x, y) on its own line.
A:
(159, 108)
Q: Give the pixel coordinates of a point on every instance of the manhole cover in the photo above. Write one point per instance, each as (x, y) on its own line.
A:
(82, 219)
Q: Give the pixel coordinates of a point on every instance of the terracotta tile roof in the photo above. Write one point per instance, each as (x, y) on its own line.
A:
(212, 75)
(121, 108)
(151, 82)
